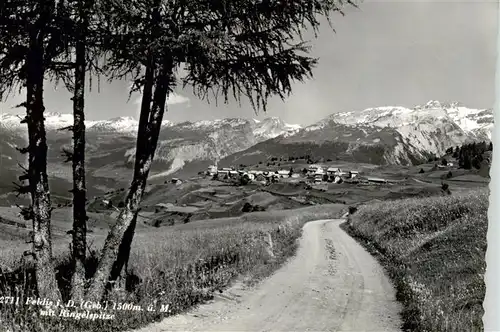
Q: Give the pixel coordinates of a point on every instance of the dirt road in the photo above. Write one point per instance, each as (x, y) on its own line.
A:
(332, 284)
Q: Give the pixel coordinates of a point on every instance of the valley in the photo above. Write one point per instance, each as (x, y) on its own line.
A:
(246, 223)
(377, 143)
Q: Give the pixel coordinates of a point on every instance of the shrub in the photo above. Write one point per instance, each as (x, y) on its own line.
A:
(244, 180)
(444, 186)
(247, 207)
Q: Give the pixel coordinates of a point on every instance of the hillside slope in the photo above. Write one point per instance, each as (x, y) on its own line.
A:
(434, 248)
(111, 143)
(382, 135)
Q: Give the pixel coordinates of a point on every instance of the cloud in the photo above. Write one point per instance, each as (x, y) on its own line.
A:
(175, 98)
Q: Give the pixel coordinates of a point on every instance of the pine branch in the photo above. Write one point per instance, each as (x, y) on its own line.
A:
(23, 104)
(68, 128)
(24, 177)
(23, 150)
(26, 212)
(23, 168)
(21, 189)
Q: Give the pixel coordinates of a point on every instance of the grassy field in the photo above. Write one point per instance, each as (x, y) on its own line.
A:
(183, 265)
(434, 250)
(184, 261)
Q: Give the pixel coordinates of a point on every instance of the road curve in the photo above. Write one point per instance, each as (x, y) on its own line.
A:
(332, 284)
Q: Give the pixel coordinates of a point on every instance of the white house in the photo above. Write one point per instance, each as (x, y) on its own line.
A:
(283, 173)
(250, 176)
(333, 171)
(318, 175)
(222, 172)
(313, 168)
(354, 174)
(319, 171)
(212, 169)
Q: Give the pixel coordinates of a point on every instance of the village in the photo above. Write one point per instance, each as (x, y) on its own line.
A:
(316, 174)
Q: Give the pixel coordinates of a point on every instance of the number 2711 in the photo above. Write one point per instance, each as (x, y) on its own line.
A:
(9, 300)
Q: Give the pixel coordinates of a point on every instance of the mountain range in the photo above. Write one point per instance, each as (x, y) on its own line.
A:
(380, 135)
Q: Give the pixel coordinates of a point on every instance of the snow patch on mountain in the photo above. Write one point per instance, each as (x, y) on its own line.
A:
(432, 127)
(125, 124)
(10, 122)
(273, 127)
(179, 143)
(264, 129)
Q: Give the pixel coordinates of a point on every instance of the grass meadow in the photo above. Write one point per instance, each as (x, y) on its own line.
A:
(176, 266)
(434, 250)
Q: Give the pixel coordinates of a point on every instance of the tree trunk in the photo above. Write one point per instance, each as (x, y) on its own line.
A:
(123, 254)
(78, 159)
(125, 224)
(37, 169)
(140, 157)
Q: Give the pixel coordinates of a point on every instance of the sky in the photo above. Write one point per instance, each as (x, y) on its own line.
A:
(384, 53)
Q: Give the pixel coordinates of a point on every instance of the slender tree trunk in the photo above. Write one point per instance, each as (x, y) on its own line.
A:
(37, 169)
(118, 243)
(78, 159)
(121, 263)
(140, 156)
